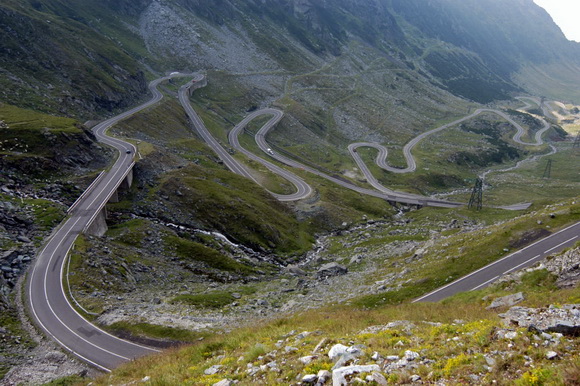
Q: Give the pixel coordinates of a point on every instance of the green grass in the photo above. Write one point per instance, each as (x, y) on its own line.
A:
(27, 132)
(3, 371)
(47, 213)
(226, 202)
(460, 254)
(190, 250)
(131, 232)
(157, 331)
(23, 119)
(70, 380)
(206, 300)
(464, 333)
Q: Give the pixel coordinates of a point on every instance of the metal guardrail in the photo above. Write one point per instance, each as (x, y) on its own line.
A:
(88, 189)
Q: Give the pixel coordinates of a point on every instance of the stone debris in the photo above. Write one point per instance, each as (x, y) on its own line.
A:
(564, 319)
(506, 301)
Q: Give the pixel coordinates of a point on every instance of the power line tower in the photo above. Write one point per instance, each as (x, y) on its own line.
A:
(476, 200)
(548, 170)
(576, 142)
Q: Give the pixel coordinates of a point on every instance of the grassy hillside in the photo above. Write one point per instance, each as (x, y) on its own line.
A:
(74, 59)
(457, 341)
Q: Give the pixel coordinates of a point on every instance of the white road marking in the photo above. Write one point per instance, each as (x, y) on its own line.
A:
(519, 265)
(559, 245)
(483, 284)
(494, 263)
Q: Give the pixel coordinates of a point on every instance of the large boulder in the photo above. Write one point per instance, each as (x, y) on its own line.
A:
(331, 269)
(506, 301)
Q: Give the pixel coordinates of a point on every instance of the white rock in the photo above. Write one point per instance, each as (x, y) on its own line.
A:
(490, 361)
(323, 376)
(379, 379)
(376, 356)
(310, 378)
(392, 358)
(146, 379)
(415, 378)
(302, 335)
(272, 364)
(411, 355)
(307, 359)
(507, 301)
(511, 335)
(551, 355)
(212, 370)
(337, 351)
(339, 375)
(224, 382)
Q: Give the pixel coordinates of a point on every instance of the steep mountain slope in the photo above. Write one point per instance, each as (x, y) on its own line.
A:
(82, 57)
(73, 59)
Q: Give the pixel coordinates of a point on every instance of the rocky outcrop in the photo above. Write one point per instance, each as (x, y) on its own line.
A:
(564, 320)
(331, 269)
(506, 301)
(565, 266)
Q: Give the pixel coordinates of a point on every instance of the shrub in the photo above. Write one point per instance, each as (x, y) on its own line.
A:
(536, 377)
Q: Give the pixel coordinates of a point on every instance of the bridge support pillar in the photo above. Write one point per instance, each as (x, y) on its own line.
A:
(115, 197)
(127, 181)
(99, 225)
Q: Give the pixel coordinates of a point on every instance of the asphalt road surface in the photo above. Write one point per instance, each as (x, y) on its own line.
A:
(514, 261)
(303, 190)
(53, 312)
(381, 159)
(48, 304)
(387, 194)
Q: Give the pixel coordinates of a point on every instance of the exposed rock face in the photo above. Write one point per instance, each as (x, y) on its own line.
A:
(564, 320)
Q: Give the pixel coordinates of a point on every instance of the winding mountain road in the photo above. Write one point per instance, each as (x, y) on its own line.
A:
(260, 137)
(47, 300)
(303, 190)
(381, 159)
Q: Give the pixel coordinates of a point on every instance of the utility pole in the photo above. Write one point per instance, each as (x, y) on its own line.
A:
(476, 200)
(548, 170)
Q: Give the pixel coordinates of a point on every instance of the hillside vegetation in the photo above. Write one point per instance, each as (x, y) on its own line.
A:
(458, 341)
